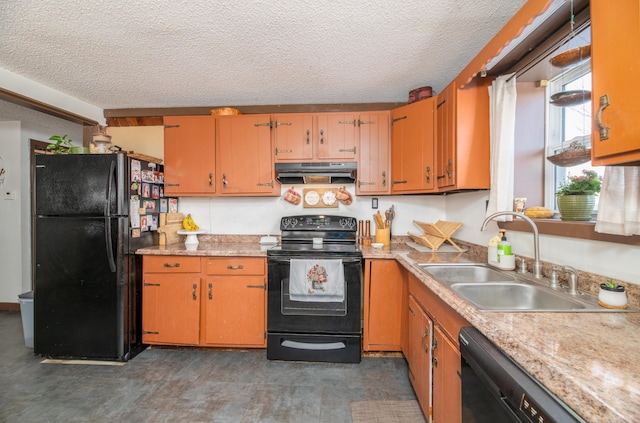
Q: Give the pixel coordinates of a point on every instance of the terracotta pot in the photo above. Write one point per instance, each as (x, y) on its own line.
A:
(576, 207)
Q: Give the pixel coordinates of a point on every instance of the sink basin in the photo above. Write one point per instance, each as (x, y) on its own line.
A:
(515, 297)
(496, 290)
(466, 273)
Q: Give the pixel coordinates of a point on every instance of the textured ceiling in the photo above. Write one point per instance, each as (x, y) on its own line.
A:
(159, 53)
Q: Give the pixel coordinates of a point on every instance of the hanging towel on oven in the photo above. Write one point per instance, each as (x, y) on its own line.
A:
(316, 280)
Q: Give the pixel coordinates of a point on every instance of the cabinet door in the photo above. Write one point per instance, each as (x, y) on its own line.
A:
(446, 137)
(419, 359)
(235, 311)
(189, 155)
(615, 32)
(336, 136)
(447, 386)
(293, 137)
(245, 157)
(462, 141)
(412, 147)
(171, 308)
(373, 153)
(383, 305)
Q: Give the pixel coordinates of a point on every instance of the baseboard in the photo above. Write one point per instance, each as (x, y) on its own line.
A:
(9, 307)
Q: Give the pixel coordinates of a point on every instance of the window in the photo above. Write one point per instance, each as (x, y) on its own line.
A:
(567, 126)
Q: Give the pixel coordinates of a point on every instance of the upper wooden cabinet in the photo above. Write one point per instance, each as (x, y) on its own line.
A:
(315, 137)
(412, 147)
(615, 32)
(462, 141)
(189, 155)
(245, 156)
(373, 153)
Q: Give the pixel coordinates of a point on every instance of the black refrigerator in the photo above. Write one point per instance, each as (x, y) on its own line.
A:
(91, 213)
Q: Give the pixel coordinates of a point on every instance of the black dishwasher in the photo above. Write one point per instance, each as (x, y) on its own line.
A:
(495, 389)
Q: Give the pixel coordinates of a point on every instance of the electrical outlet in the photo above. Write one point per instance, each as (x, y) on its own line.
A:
(374, 203)
(9, 195)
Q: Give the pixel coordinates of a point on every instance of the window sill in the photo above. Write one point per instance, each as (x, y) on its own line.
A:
(580, 230)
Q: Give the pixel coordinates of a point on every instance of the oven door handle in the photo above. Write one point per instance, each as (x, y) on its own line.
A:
(288, 260)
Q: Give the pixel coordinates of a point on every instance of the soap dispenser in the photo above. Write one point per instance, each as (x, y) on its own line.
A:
(506, 259)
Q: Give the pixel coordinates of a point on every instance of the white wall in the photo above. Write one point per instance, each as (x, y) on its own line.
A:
(17, 126)
(618, 261)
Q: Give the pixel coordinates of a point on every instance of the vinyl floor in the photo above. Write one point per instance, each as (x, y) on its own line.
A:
(188, 385)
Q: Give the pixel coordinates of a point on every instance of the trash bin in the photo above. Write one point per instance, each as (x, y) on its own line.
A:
(26, 310)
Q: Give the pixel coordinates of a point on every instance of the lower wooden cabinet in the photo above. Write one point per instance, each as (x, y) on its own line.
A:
(420, 329)
(447, 385)
(433, 353)
(171, 300)
(383, 292)
(235, 307)
(204, 301)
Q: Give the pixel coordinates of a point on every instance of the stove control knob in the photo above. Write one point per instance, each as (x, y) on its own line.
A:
(347, 223)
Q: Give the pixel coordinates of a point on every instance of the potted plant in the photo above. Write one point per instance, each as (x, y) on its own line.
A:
(62, 144)
(576, 196)
(612, 295)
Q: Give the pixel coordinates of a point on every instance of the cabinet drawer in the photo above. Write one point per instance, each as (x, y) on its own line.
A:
(235, 266)
(170, 264)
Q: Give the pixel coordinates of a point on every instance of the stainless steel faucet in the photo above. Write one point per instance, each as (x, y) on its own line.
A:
(573, 279)
(537, 265)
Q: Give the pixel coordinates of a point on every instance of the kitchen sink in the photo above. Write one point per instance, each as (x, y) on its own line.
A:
(509, 296)
(495, 290)
(467, 273)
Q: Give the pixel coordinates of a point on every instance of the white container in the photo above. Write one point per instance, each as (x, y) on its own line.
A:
(506, 262)
(612, 297)
(26, 311)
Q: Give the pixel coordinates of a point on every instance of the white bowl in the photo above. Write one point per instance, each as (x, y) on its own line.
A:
(377, 245)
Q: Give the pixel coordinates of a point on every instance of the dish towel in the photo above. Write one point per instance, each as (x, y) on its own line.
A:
(316, 280)
(619, 203)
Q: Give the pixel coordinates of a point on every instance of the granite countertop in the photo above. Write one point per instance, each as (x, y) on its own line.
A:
(589, 360)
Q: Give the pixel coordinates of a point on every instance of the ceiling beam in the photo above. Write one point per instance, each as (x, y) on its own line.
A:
(153, 116)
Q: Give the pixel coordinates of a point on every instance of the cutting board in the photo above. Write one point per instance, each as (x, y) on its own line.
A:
(169, 226)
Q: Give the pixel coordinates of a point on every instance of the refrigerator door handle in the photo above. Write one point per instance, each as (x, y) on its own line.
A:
(110, 182)
(107, 236)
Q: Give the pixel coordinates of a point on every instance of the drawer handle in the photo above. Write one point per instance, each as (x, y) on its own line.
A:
(424, 336)
(413, 313)
(151, 284)
(232, 267)
(257, 286)
(172, 265)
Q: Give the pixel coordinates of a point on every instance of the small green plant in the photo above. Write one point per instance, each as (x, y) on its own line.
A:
(587, 184)
(610, 283)
(62, 144)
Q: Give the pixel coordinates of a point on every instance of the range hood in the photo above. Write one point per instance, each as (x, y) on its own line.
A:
(316, 173)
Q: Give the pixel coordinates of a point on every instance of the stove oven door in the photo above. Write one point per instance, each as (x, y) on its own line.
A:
(314, 331)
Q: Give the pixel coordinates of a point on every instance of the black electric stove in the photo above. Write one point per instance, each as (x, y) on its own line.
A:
(311, 330)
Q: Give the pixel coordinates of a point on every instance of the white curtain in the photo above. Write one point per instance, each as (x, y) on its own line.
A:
(619, 203)
(502, 108)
